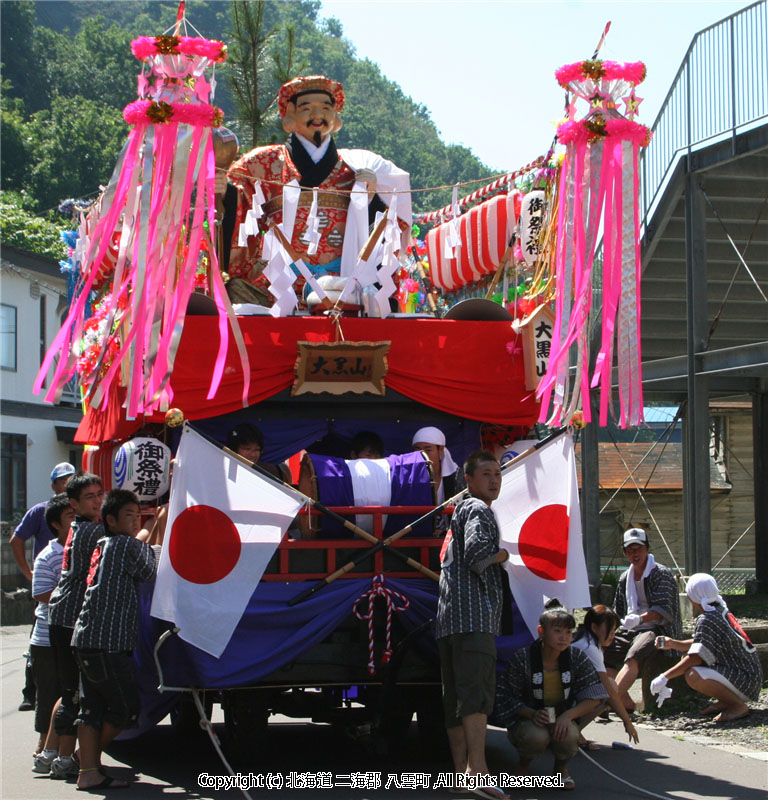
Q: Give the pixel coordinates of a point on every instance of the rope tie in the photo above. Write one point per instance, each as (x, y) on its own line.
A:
(379, 589)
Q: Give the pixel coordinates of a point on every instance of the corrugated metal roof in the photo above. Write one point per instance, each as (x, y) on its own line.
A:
(662, 470)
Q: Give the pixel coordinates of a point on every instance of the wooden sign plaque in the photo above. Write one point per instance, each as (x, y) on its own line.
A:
(537, 342)
(341, 367)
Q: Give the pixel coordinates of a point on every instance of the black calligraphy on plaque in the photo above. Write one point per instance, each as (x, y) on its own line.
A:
(542, 338)
(534, 225)
(339, 367)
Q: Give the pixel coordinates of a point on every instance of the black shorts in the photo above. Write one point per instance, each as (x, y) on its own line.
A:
(69, 679)
(47, 681)
(468, 668)
(109, 689)
(630, 644)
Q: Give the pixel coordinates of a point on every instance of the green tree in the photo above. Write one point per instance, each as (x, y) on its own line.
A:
(21, 229)
(75, 146)
(14, 154)
(76, 56)
(22, 61)
(258, 66)
(96, 64)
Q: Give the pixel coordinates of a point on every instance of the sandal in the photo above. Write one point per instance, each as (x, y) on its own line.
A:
(722, 717)
(489, 793)
(107, 783)
(569, 784)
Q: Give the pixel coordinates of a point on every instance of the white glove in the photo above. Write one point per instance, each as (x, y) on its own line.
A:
(631, 621)
(660, 688)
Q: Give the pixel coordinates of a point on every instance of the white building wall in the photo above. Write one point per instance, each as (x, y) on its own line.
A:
(17, 288)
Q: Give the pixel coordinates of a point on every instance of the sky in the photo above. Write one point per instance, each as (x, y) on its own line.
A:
(485, 70)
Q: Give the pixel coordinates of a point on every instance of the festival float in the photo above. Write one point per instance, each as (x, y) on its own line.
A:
(305, 297)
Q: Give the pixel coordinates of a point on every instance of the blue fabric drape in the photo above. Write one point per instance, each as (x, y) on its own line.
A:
(271, 634)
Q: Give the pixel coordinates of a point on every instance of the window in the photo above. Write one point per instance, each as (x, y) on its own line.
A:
(76, 458)
(43, 347)
(8, 337)
(14, 475)
(718, 444)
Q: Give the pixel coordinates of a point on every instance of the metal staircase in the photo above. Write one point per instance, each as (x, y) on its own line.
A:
(704, 285)
(704, 177)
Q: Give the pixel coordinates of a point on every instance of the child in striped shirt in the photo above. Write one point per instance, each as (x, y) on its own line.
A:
(59, 515)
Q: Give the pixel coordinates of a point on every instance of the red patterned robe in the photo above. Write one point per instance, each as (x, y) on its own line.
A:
(275, 163)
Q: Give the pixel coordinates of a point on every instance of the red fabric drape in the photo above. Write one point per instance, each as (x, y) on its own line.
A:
(463, 368)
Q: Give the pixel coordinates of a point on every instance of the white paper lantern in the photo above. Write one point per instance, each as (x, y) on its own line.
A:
(141, 465)
(531, 225)
(514, 450)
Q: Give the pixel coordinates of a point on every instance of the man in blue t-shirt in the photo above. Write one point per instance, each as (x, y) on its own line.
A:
(34, 525)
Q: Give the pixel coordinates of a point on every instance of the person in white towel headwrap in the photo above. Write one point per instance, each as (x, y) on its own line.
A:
(449, 478)
(720, 660)
(648, 605)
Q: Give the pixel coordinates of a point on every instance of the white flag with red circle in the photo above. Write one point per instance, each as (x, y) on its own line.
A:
(540, 524)
(225, 522)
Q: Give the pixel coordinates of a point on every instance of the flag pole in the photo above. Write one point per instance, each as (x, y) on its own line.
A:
(417, 565)
(380, 545)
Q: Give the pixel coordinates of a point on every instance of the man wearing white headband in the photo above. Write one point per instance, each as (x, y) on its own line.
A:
(648, 605)
(720, 660)
(448, 477)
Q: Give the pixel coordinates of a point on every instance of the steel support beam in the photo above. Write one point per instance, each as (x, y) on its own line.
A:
(590, 495)
(760, 469)
(747, 359)
(697, 516)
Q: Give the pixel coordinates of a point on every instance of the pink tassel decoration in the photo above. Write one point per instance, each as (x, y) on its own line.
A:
(598, 188)
(147, 234)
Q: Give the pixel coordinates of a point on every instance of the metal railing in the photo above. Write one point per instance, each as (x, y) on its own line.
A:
(720, 89)
(730, 580)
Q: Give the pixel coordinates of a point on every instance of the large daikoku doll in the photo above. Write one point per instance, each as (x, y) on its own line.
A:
(309, 108)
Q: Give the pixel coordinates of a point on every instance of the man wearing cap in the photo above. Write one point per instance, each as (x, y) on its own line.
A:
(310, 109)
(34, 525)
(648, 605)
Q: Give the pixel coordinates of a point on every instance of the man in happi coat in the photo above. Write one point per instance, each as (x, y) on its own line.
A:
(648, 605)
(310, 109)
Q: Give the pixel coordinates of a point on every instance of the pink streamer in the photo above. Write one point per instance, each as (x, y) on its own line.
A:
(62, 343)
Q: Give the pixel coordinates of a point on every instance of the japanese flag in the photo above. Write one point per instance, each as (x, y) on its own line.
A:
(540, 524)
(225, 522)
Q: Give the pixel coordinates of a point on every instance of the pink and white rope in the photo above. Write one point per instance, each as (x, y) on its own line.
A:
(379, 589)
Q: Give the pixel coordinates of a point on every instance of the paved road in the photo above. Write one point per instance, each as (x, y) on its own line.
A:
(166, 767)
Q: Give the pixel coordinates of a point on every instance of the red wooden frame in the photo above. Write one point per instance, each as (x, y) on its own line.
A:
(332, 546)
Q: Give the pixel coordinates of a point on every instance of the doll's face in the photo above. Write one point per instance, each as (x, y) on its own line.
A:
(313, 115)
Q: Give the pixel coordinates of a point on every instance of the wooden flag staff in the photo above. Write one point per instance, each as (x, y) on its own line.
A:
(380, 545)
(333, 515)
